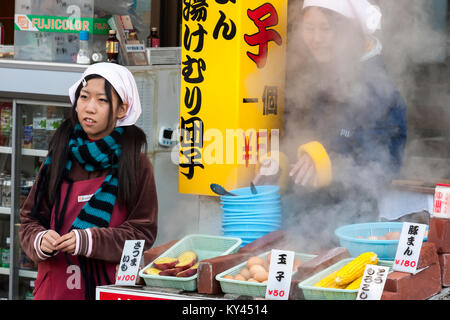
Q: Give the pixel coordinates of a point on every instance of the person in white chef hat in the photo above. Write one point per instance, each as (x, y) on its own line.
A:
(95, 190)
(351, 142)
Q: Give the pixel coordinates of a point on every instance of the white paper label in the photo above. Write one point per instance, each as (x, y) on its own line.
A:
(135, 48)
(280, 274)
(372, 283)
(130, 262)
(85, 198)
(408, 250)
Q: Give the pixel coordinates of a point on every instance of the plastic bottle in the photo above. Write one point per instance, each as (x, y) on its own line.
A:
(112, 47)
(5, 124)
(153, 40)
(54, 120)
(39, 128)
(6, 191)
(27, 131)
(84, 56)
(5, 254)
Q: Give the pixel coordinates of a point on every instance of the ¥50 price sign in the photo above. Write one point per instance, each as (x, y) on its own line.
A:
(280, 274)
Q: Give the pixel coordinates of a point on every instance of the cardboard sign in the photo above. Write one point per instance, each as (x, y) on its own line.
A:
(280, 274)
(130, 262)
(373, 281)
(408, 250)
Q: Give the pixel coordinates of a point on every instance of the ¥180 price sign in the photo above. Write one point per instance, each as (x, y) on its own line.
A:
(409, 246)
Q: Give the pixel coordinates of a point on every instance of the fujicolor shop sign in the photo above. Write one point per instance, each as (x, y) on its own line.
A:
(25, 22)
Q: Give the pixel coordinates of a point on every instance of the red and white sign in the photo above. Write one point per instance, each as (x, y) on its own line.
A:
(441, 206)
(120, 293)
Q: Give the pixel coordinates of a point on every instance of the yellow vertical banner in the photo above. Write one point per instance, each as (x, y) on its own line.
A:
(232, 90)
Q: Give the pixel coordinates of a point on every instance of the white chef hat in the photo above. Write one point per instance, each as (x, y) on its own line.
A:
(123, 82)
(368, 15)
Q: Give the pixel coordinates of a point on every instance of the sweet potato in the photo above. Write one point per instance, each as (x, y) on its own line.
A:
(152, 271)
(165, 263)
(188, 272)
(170, 272)
(186, 260)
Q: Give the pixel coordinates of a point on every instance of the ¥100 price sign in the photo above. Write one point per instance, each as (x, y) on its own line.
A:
(130, 262)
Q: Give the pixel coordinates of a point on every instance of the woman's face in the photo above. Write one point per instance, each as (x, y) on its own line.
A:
(318, 35)
(93, 109)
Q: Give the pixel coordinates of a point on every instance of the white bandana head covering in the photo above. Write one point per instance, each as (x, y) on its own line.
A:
(122, 81)
(368, 15)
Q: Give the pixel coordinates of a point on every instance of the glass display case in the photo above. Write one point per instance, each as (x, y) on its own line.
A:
(26, 127)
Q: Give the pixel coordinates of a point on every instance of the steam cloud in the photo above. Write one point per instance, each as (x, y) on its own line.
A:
(411, 39)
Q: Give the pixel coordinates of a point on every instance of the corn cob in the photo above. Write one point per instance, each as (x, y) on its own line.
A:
(355, 284)
(327, 281)
(355, 268)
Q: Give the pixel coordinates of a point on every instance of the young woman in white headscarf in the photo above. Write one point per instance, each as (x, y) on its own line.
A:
(345, 128)
(95, 189)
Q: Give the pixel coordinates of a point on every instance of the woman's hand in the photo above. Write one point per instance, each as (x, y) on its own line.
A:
(268, 173)
(304, 171)
(48, 242)
(66, 243)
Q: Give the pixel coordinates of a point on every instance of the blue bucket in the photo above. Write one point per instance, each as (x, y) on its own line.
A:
(246, 234)
(238, 226)
(250, 218)
(232, 200)
(385, 249)
(251, 210)
(249, 205)
(246, 193)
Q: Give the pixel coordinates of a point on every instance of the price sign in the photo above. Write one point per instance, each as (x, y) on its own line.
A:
(130, 262)
(280, 274)
(408, 250)
(372, 283)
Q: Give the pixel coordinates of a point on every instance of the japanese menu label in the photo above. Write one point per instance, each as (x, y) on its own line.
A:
(129, 263)
(232, 90)
(372, 283)
(408, 250)
(280, 274)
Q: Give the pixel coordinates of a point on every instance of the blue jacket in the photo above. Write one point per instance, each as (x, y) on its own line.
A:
(369, 128)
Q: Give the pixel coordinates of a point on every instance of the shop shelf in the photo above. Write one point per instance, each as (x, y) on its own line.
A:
(22, 273)
(316, 293)
(205, 246)
(5, 210)
(25, 152)
(34, 152)
(254, 289)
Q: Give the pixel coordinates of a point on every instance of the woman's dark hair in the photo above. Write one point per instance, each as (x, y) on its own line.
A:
(133, 141)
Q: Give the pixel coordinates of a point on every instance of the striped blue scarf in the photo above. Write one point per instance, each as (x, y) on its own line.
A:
(96, 155)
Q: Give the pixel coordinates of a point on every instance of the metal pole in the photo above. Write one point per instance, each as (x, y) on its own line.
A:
(15, 195)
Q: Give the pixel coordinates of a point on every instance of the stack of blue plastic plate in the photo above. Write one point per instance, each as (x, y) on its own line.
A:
(250, 216)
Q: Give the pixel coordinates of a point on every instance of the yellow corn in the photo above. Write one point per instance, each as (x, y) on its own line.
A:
(355, 268)
(355, 284)
(327, 281)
